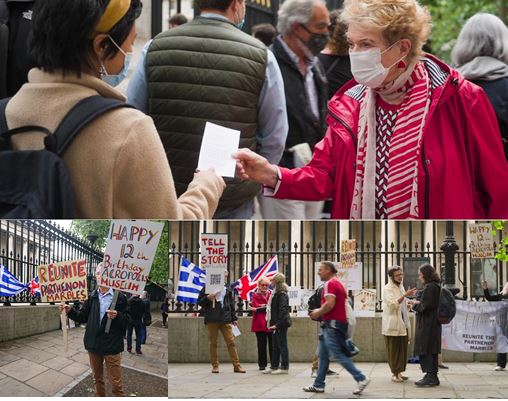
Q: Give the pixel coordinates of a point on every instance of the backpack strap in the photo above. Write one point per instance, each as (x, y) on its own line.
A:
(3, 120)
(83, 113)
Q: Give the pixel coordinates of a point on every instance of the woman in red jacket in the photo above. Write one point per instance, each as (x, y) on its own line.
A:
(259, 325)
(408, 138)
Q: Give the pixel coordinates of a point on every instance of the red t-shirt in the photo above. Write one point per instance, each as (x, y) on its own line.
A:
(335, 288)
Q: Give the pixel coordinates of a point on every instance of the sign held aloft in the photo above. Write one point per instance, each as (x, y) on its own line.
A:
(214, 250)
(63, 281)
(482, 243)
(348, 252)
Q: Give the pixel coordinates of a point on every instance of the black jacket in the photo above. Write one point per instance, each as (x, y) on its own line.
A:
(337, 70)
(303, 125)
(497, 92)
(136, 309)
(279, 310)
(221, 313)
(96, 340)
(494, 298)
(427, 327)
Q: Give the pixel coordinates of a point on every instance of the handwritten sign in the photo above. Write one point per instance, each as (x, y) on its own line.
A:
(214, 279)
(351, 277)
(348, 252)
(63, 281)
(482, 244)
(295, 296)
(130, 250)
(214, 250)
(365, 303)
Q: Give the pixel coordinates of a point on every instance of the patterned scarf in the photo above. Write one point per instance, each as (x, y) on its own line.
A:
(403, 153)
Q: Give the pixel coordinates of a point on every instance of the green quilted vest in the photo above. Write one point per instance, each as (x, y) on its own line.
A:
(205, 70)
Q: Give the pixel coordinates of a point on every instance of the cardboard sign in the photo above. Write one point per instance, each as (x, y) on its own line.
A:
(365, 303)
(214, 279)
(295, 296)
(351, 277)
(348, 252)
(63, 281)
(130, 250)
(214, 250)
(482, 243)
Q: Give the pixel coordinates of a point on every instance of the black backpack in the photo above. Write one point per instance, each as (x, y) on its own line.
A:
(35, 183)
(314, 301)
(447, 308)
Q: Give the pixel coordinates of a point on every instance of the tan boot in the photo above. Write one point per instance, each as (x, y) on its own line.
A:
(239, 369)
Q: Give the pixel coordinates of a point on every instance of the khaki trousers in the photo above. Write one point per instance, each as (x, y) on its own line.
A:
(114, 373)
(396, 350)
(229, 338)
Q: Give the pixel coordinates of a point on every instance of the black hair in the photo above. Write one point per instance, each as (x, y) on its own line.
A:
(392, 270)
(221, 5)
(429, 274)
(329, 265)
(63, 32)
(265, 33)
(178, 19)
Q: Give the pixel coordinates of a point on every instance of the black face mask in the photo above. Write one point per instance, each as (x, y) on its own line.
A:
(317, 41)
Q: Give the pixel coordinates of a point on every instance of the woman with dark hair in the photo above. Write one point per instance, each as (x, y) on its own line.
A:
(116, 164)
(427, 328)
(335, 55)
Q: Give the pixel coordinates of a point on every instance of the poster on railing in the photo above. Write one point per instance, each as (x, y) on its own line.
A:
(302, 310)
(351, 277)
(295, 296)
(130, 251)
(214, 250)
(365, 303)
(348, 252)
(214, 279)
(477, 327)
(63, 281)
(482, 242)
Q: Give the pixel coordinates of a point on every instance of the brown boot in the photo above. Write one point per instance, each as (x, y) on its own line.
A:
(215, 369)
(239, 369)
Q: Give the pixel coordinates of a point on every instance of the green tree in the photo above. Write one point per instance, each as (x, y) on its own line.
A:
(502, 247)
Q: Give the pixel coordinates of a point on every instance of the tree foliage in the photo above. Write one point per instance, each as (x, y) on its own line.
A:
(160, 268)
(502, 246)
(448, 17)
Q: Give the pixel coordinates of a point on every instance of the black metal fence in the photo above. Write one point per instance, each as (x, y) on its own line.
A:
(299, 246)
(26, 244)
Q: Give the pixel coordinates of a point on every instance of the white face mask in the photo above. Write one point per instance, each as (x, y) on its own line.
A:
(367, 68)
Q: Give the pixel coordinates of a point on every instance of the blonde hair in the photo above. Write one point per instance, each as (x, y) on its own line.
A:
(396, 19)
(263, 279)
(279, 282)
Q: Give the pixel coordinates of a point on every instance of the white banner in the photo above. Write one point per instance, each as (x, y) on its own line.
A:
(482, 242)
(478, 327)
(351, 277)
(130, 250)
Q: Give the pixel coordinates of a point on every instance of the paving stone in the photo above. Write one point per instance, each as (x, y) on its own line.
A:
(75, 369)
(10, 387)
(57, 363)
(34, 355)
(22, 369)
(6, 357)
(50, 382)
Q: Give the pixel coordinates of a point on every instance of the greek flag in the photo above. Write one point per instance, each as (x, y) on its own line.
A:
(9, 285)
(190, 282)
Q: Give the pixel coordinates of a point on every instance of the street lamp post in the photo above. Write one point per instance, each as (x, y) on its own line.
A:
(91, 239)
(449, 248)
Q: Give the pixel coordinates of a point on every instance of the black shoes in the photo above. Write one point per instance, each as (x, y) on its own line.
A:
(429, 380)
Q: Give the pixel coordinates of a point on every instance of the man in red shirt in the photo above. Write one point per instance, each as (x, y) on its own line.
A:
(333, 330)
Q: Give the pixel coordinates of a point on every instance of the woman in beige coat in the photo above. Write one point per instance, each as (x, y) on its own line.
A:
(117, 165)
(395, 324)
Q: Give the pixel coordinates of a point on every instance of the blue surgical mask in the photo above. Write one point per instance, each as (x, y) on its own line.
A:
(116, 79)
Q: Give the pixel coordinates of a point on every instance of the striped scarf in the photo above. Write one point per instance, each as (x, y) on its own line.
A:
(403, 153)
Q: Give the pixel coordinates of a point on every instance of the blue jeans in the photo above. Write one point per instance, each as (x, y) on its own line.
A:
(137, 327)
(143, 333)
(330, 348)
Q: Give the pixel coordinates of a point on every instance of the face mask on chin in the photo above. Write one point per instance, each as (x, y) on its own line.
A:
(367, 68)
(116, 79)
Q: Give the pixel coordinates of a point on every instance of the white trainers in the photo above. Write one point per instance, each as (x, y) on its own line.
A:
(499, 368)
(280, 372)
(268, 371)
(361, 386)
(312, 389)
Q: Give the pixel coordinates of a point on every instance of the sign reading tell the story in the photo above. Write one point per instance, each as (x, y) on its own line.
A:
(482, 243)
(214, 250)
(348, 252)
(63, 281)
(130, 250)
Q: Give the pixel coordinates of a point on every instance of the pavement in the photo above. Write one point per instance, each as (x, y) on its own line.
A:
(38, 366)
(461, 380)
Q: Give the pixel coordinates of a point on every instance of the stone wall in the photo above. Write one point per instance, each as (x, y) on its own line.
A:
(23, 321)
(188, 342)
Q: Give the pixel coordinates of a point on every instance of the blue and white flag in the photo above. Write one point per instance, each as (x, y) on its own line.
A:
(190, 282)
(9, 285)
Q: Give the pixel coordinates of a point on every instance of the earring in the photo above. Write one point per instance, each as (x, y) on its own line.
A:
(102, 71)
(401, 64)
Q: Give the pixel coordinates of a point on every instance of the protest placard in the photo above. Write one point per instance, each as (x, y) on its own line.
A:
(295, 296)
(214, 279)
(214, 250)
(351, 277)
(365, 303)
(63, 281)
(348, 252)
(130, 250)
(302, 310)
(482, 242)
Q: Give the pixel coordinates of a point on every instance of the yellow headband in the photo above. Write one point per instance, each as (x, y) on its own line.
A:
(114, 12)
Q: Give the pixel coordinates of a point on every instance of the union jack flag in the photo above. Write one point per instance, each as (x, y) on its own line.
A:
(34, 287)
(247, 284)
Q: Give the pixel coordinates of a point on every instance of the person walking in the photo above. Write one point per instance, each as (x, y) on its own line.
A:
(147, 316)
(427, 343)
(136, 311)
(259, 325)
(103, 348)
(219, 312)
(278, 319)
(165, 311)
(333, 331)
(396, 327)
(481, 56)
(500, 357)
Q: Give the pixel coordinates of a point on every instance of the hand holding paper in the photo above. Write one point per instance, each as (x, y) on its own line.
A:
(216, 148)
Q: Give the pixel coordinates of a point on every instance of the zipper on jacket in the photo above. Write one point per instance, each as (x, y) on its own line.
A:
(427, 181)
(347, 127)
